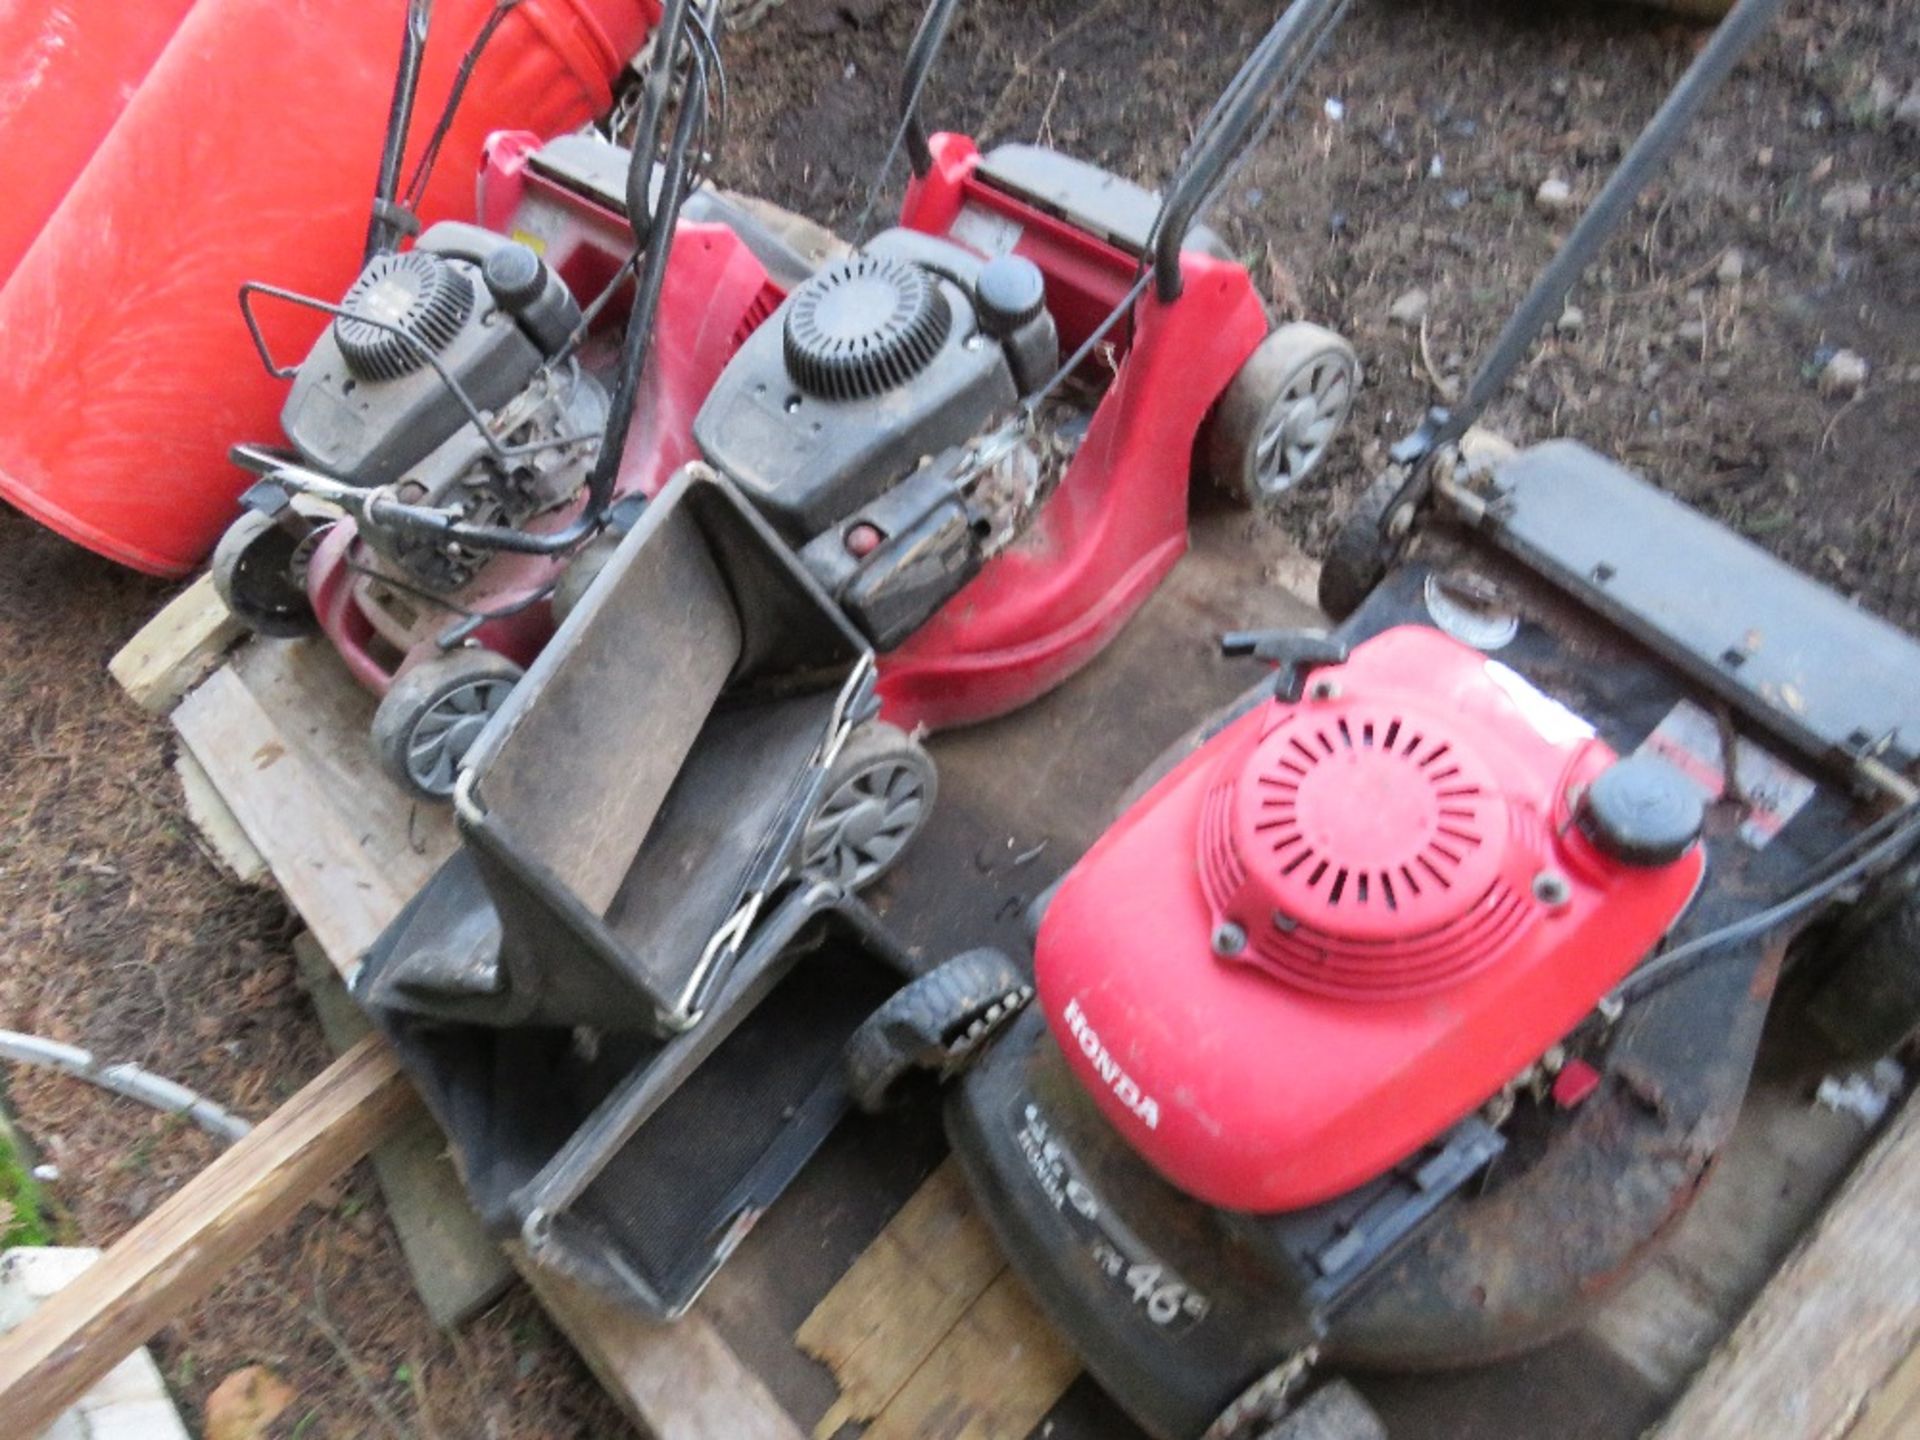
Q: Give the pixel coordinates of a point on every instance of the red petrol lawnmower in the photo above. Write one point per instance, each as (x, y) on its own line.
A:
(471, 380)
(988, 516)
(1408, 1007)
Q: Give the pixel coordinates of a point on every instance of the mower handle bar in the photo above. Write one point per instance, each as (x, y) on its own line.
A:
(1279, 60)
(1544, 301)
(927, 39)
(388, 221)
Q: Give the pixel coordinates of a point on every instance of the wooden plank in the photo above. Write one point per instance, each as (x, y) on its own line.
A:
(1837, 1320)
(176, 648)
(676, 1381)
(899, 1300)
(993, 1377)
(223, 838)
(176, 1254)
(318, 858)
(1893, 1413)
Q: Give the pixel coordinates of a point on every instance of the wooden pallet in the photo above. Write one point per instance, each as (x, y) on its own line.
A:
(872, 1295)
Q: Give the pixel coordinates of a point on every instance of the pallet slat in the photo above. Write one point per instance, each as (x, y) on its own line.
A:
(176, 648)
(929, 1332)
(1838, 1324)
(898, 1301)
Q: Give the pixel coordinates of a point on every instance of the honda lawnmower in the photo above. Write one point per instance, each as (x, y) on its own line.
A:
(643, 990)
(1406, 1011)
(987, 515)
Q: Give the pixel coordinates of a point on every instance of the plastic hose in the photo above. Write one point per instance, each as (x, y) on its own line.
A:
(128, 1080)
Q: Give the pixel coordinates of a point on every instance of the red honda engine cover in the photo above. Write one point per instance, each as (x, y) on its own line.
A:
(1343, 924)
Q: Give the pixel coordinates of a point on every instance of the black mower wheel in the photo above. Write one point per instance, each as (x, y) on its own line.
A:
(259, 569)
(878, 795)
(1363, 547)
(582, 570)
(433, 714)
(932, 1026)
(1278, 416)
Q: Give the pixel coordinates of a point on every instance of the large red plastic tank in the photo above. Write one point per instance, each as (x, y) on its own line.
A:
(67, 70)
(250, 152)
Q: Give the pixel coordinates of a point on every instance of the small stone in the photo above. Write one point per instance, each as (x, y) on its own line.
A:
(1881, 101)
(1763, 157)
(1409, 310)
(1845, 201)
(1334, 110)
(1693, 334)
(1572, 320)
(1843, 375)
(1651, 372)
(1554, 197)
(1731, 269)
(1907, 113)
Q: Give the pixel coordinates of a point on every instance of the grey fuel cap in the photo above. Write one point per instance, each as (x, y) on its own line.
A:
(1010, 291)
(1642, 811)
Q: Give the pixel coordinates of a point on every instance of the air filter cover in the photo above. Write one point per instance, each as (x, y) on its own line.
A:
(864, 326)
(1345, 923)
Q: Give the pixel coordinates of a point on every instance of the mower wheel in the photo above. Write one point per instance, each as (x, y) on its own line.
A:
(582, 570)
(877, 796)
(1334, 1411)
(1362, 547)
(259, 569)
(434, 712)
(1277, 418)
(932, 1026)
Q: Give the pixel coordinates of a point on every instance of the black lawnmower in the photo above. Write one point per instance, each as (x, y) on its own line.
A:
(1407, 1008)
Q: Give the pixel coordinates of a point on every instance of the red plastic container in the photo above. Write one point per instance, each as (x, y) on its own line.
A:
(249, 153)
(67, 70)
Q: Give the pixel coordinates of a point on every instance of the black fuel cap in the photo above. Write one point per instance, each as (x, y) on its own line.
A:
(1642, 811)
(1010, 291)
(515, 276)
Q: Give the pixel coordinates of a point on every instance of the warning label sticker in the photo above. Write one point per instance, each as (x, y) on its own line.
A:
(1689, 740)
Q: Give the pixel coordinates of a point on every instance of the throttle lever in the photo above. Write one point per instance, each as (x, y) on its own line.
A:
(1292, 653)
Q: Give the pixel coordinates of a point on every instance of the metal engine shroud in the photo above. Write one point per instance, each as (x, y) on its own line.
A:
(1344, 925)
(370, 407)
(875, 364)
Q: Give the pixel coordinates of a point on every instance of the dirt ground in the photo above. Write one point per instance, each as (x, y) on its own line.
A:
(1409, 161)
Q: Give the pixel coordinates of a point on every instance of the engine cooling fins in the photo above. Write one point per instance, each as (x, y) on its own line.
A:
(864, 326)
(402, 309)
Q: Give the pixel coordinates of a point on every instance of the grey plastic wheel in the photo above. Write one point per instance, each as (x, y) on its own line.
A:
(1280, 414)
(433, 714)
(880, 792)
(259, 569)
(933, 1026)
